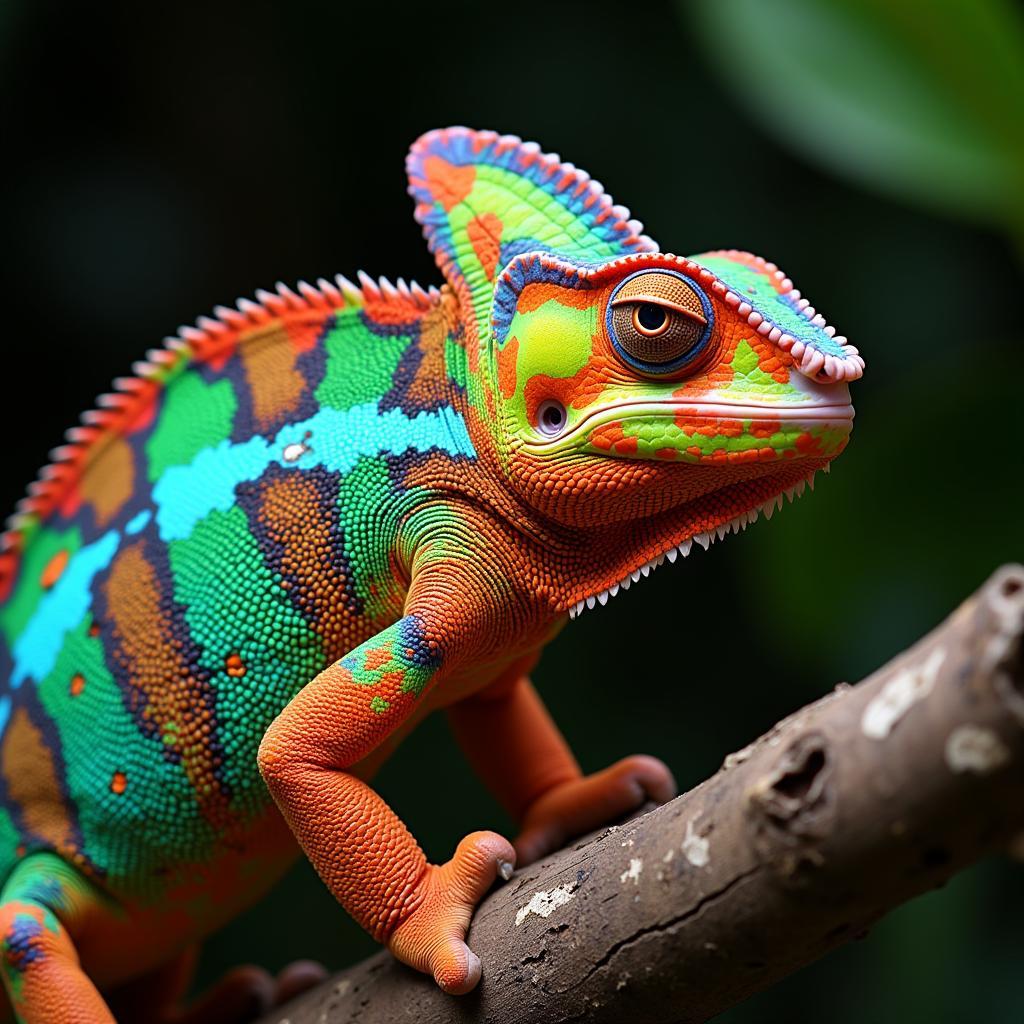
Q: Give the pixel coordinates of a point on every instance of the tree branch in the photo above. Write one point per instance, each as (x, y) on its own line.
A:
(848, 808)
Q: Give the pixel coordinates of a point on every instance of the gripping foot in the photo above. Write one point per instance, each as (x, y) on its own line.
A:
(586, 803)
(431, 937)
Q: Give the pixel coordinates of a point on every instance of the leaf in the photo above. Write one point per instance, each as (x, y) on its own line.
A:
(924, 100)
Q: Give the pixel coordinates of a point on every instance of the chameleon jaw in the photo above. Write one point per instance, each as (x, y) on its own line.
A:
(705, 539)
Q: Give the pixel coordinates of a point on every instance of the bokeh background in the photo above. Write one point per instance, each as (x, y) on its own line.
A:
(160, 159)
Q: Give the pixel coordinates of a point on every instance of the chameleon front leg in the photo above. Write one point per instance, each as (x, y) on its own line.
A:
(514, 746)
(359, 846)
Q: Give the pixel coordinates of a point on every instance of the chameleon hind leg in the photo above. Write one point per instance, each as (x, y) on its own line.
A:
(520, 754)
(42, 906)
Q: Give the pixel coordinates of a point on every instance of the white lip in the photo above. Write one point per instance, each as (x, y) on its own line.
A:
(790, 412)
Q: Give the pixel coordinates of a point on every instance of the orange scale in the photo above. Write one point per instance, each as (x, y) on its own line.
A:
(606, 436)
(534, 296)
(71, 501)
(54, 569)
(808, 445)
(484, 232)
(449, 183)
(506, 359)
(750, 455)
(377, 657)
(234, 665)
(142, 419)
(765, 428)
(303, 335)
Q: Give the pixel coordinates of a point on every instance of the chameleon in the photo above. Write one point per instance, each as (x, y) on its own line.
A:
(313, 518)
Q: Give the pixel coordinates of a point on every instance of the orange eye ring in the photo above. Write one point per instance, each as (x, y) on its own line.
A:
(651, 332)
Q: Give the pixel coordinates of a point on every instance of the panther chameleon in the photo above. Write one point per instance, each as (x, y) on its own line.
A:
(310, 520)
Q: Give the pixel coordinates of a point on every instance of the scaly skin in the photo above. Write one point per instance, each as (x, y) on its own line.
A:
(309, 522)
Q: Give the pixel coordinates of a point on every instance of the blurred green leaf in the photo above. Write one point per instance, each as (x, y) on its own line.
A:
(922, 98)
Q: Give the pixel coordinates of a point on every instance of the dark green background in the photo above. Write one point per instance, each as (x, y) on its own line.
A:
(159, 162)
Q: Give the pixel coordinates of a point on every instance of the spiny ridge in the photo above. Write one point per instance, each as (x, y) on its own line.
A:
(209, 338)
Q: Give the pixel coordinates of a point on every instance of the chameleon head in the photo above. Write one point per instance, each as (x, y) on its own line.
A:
(642, 400)
(656, 386)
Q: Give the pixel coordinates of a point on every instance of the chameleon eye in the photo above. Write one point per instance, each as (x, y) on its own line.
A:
(658, 322)
(650, 320)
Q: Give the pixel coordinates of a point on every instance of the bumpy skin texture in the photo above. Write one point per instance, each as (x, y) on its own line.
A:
(308, 522)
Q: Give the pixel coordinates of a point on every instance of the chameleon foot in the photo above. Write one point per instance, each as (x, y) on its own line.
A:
(431, 938)
(583, 804)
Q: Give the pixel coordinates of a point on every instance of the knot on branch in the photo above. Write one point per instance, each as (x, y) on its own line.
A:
(1004, 597)
(792, 807)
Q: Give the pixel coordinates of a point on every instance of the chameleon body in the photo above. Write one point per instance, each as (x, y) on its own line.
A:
(310, 520)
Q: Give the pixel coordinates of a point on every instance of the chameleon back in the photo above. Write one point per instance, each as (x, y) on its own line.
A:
(228, 532)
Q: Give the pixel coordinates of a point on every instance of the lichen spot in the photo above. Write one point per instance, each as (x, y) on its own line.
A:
(118, 783)
(975, 749)
(905, 689)
(77, 684)
(696, 847)
(544, 904)
(632, 873)
(234, 666)
(54, 569)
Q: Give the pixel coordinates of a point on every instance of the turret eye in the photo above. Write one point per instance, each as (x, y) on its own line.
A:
(650, 319)
(659, 321)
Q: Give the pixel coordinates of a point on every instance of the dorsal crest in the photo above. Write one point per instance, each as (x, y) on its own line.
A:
(484, 199)
(212, 341)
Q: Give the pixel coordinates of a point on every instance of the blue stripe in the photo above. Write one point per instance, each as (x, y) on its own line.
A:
(61, 610)
(333, 438)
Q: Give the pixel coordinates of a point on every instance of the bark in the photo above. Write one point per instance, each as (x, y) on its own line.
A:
(805, 838)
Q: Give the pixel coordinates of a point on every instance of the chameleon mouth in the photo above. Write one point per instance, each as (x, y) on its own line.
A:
(704, 539)
(817, 414)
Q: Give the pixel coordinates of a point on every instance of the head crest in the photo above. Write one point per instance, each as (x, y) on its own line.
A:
(484, 199)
